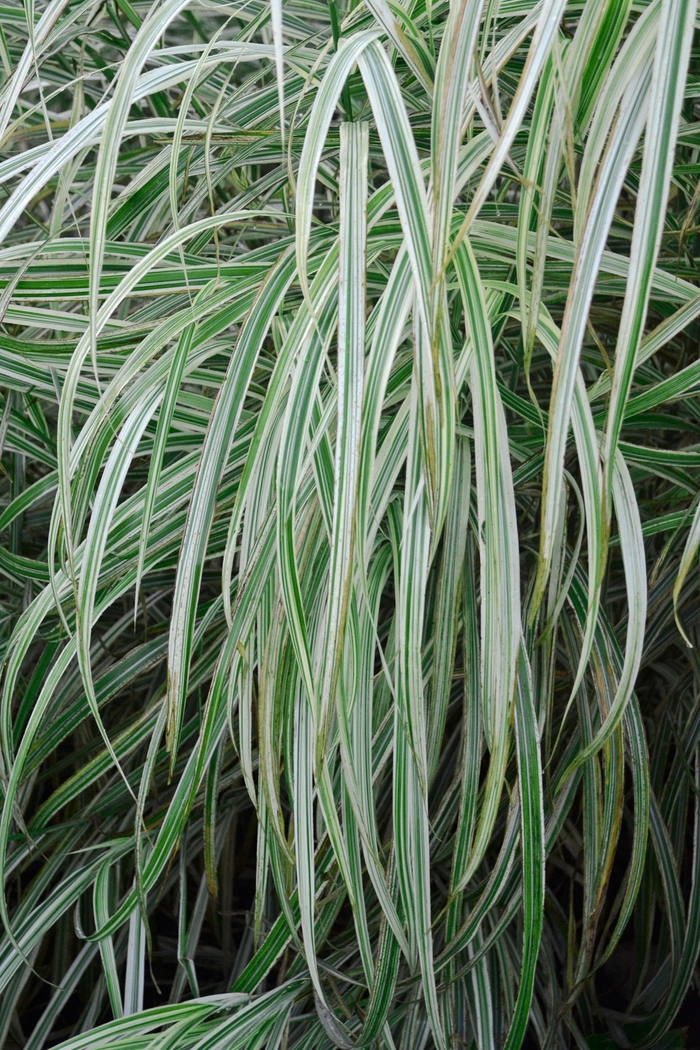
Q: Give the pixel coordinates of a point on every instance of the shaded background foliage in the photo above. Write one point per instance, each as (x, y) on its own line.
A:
(349, 488)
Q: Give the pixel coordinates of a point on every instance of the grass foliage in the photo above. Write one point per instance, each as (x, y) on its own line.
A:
(349, 497)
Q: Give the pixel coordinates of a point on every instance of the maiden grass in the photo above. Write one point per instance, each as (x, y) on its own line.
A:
(350, 518)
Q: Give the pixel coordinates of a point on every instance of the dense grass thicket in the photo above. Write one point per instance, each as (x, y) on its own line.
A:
(350, 504)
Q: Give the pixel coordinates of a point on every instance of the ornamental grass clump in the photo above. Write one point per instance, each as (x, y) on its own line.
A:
(349, 506)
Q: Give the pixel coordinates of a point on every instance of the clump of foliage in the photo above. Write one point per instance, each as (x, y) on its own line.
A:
(350, 471)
